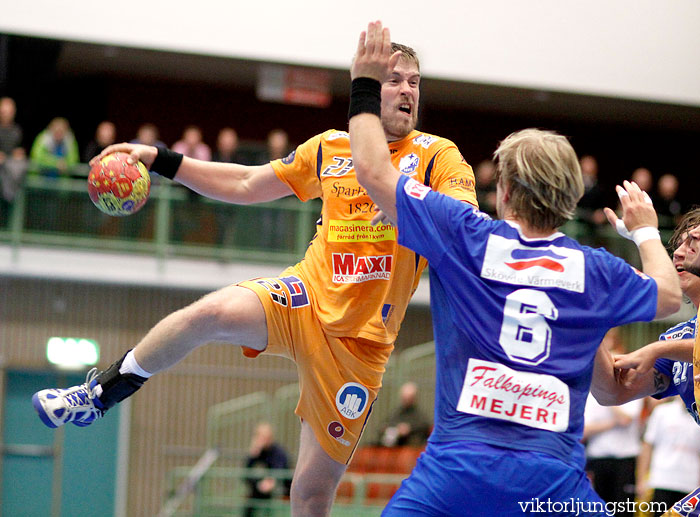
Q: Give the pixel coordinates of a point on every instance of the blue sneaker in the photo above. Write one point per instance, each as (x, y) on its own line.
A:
(78, 404)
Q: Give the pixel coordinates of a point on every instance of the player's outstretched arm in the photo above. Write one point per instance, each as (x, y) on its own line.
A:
(373, 62)
(640, 224)
(643, 359)
(612, 386)
(229, 182)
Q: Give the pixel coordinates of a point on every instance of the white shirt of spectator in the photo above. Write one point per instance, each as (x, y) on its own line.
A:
(675, 440)
(619, 442)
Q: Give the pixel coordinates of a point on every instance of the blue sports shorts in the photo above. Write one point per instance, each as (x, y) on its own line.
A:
(472, 478)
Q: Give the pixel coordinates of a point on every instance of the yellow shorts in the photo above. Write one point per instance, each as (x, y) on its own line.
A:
(339, 377)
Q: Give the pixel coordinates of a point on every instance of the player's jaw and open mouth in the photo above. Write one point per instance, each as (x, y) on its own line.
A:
(406, 108)
(680, 269)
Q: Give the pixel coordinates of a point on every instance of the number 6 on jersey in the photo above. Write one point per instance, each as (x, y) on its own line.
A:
(525, 333)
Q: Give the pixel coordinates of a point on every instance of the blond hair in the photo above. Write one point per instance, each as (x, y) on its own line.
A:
(406, 53)
(544, 176)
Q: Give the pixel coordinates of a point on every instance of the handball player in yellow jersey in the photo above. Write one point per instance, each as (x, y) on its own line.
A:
(336, 313)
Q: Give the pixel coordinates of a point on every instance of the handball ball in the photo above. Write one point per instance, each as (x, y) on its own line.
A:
(118, 188)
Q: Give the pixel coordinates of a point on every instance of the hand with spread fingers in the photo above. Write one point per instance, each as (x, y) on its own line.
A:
(637, 209)
(374, 58)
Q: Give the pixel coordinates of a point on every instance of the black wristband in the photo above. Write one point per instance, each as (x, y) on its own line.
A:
(167, 163)
(365, 97)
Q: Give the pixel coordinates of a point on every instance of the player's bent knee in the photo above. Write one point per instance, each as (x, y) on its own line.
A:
(232, 314)
(309, 495)
(311, 488)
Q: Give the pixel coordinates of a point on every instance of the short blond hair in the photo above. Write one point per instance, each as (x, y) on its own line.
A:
(406, 53)
(544, 176)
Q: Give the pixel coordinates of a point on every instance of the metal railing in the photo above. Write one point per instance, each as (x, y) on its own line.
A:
(57, 212)
(223, 491)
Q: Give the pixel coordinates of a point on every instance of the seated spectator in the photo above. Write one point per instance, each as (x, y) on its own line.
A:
(666, 202)
(408, 425)
(10, 131)
(227, 151)
(265, 453)
(277, 146)
(277, 231)
(485, 174)
(105, 135)
(227, 148)
(133, 226)
(13, 159)
(642, 177)
(591, 205)
(192, 145)
(188, 220)
(148, 134)
(55, 150)
(589, 210)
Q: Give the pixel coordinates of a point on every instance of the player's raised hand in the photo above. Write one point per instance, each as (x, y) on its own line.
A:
(374, 58)
(637, 210)
(137, 152)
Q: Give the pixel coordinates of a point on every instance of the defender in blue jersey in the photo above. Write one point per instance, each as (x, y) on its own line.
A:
(519, 310)
(663, 368)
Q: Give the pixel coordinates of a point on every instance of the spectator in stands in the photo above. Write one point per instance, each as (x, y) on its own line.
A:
(13, 159)
(277, 146)
(105, 134)
(590, 207)
(188, 220)
(228, 149)
(485, 174)
(613, 440)
(668, 207)
(408, 425)
(276, 230)
(148, 134)
(669, 462)
(191, 144)
(55, 150)
(133, 227)
(265, 453)
(643, 178)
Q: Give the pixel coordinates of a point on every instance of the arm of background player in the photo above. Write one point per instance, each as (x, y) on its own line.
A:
(643, 359)
(370, 153)
(229, 182)
(656, 263)
(612, 386)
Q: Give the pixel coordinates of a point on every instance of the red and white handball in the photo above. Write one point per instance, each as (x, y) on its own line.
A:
(117, 187)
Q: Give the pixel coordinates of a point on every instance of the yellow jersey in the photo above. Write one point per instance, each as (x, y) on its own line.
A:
(360, 280)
